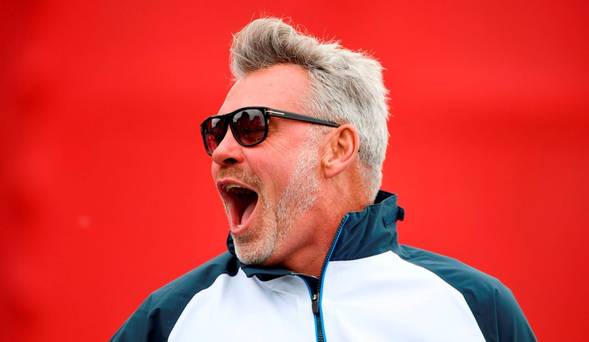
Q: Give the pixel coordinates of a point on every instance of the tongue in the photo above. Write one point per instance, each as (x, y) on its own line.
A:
(248, 211)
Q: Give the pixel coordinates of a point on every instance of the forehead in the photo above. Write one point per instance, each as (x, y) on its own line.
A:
(280, 86)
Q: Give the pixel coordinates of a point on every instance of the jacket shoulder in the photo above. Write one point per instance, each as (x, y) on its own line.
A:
(157, 315)
(493, 305)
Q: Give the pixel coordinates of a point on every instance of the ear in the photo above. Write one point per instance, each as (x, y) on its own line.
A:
(340, 150)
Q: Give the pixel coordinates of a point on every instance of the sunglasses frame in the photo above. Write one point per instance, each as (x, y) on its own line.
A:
(227, 119)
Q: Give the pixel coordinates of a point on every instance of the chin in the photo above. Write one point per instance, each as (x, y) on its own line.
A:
(253, 252)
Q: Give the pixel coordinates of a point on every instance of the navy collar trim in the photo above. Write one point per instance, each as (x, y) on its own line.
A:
(370, 231)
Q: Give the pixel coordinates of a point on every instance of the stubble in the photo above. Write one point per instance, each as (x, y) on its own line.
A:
(278, 220)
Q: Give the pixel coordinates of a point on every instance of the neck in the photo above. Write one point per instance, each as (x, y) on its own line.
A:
(307, 244)
(316, 231)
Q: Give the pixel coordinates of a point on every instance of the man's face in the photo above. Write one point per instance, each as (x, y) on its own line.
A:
(268, 189)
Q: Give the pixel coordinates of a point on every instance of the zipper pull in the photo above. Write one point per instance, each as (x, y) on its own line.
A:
(315, 303)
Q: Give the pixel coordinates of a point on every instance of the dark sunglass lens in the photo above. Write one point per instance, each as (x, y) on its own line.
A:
(249, 126)
(213, 134)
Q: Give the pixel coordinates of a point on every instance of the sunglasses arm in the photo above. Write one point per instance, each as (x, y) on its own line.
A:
(299, 117)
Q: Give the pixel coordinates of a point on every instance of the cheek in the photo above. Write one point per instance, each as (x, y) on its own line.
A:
(275, 180)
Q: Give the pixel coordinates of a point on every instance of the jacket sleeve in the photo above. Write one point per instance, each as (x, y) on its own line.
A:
(512, 324)
(143, 326)
(155, 319)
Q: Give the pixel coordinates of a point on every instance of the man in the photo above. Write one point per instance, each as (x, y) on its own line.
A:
(297, 153)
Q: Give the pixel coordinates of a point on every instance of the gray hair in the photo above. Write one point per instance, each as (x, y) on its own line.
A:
(346, 86)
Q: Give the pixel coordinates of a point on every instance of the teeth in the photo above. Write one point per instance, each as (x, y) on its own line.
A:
(236, 189)
(233, 186)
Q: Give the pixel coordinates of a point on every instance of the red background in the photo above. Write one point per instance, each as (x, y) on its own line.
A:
(105, 189)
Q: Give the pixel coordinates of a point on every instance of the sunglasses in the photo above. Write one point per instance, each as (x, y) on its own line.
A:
(249, 125)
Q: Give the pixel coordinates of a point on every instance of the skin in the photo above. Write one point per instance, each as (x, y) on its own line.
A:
(283, 229)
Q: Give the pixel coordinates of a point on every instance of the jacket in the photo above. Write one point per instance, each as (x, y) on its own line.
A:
(370, 289)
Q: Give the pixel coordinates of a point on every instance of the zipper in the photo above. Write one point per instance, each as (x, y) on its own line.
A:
(317, 315)
(313, 287)
(314, 303)
(316, 284)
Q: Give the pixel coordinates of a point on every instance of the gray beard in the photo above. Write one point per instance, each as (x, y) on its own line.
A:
(299, 196)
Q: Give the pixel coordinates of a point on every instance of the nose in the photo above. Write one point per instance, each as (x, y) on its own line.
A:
(229, 151)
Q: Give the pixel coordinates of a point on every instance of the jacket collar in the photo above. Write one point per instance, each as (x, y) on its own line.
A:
(360, 234)
(370, 231)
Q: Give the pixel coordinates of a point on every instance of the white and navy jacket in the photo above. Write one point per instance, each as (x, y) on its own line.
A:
(370, 289)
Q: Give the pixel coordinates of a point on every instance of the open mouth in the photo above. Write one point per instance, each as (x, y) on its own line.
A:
(240, 201)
